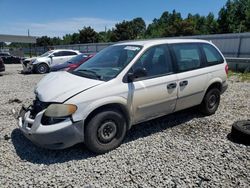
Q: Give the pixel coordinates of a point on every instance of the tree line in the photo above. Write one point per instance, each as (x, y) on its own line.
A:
(234, 17)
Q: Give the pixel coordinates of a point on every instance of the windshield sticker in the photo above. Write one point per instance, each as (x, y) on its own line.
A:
(133, 48)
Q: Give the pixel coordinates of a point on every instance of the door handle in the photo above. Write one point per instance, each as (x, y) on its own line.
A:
(171, 86)
(183, 83)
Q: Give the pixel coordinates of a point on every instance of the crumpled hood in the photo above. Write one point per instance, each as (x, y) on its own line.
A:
(41, 60)
(59, 86)
(30, 59)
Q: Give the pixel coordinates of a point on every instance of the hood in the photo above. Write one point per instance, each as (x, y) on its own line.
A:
(41, 59)
(30, 59)
(59, 86)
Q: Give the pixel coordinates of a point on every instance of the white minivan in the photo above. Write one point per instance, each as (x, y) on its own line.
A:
(42, 64)
(124, 84)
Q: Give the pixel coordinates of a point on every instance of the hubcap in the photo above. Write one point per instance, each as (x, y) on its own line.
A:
(107, 131)
(212, 101)
(42, 69)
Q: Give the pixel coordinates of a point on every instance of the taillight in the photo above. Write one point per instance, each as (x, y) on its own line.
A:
(226, 69)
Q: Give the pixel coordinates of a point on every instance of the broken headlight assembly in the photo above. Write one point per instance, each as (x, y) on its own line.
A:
(56, 113)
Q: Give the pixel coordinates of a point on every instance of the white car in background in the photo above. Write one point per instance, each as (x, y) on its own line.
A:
(42, 63)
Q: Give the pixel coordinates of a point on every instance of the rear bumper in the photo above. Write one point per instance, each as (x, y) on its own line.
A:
(224, 87)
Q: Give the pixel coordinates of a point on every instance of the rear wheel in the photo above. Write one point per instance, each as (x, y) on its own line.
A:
(210, 102)
(105, 131)
(42, 68)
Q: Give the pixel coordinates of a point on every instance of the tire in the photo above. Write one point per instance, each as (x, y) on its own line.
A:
(241, 132)
(105, 131)
(42, 68)
(210, 102)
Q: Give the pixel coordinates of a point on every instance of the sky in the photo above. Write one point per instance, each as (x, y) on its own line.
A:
(60, 17)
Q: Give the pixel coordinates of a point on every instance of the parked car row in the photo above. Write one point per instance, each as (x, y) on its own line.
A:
(43, 63)
(9, 59)
(124, 84)
(71, 64)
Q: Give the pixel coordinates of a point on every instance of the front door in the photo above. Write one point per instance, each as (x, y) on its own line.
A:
(155, 94)
(62, 57)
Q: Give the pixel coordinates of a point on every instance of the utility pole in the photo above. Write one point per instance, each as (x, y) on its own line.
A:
(29, 43)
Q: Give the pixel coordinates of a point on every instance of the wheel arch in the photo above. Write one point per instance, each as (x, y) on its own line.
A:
(113, 106)
(40, 63)
(216, 84)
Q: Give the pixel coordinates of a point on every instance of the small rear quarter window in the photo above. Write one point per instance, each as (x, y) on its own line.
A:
(212, 55)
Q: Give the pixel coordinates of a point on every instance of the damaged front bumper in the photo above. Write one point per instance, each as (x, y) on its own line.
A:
(27, 67)
(56, 136)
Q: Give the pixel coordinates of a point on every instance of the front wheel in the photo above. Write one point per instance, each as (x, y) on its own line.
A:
(42, 68)
(105, 131)
(210, 102)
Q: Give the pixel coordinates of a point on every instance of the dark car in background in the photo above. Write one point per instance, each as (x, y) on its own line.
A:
(72, 63)
(9, 59)
(2, 67)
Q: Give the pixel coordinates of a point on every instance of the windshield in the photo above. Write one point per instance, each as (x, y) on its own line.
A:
(108, 63)
(77, 59)
(46, 54)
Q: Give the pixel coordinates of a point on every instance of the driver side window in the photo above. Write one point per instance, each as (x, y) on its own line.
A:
(156, 61)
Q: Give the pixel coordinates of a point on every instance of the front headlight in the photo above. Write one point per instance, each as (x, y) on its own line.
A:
(60, 110)
(32, 61)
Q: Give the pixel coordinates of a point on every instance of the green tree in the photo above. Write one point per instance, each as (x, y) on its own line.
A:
(67, 39)
(122, 31)
(138, 27)
(56, 41)
(128, 30)
(75, 38)
(105, 36)
(211, 24)
(234, 16)
(44, 41)
(88, 35)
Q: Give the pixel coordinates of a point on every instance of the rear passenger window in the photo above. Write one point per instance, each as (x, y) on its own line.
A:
(67, 53)
(187, 56)
(212, 55)
(57, 54)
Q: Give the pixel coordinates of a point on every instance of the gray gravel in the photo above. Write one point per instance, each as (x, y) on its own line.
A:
(180, 150)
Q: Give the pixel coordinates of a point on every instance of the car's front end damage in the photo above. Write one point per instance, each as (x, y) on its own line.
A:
(49, 122)
(28, 66)
(47, 128)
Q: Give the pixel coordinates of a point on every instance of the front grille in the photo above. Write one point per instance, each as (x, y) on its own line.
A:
(38, 106)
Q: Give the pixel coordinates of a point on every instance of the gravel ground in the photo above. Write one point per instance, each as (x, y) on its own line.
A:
(180, 150)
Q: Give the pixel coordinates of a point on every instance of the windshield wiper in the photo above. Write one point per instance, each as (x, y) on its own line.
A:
(90, 71)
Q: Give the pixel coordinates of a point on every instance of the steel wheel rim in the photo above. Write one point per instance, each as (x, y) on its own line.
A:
(42, 69)
(107, 131)
(212, 101)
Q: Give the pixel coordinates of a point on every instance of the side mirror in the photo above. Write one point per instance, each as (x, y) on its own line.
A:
(138, 73)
